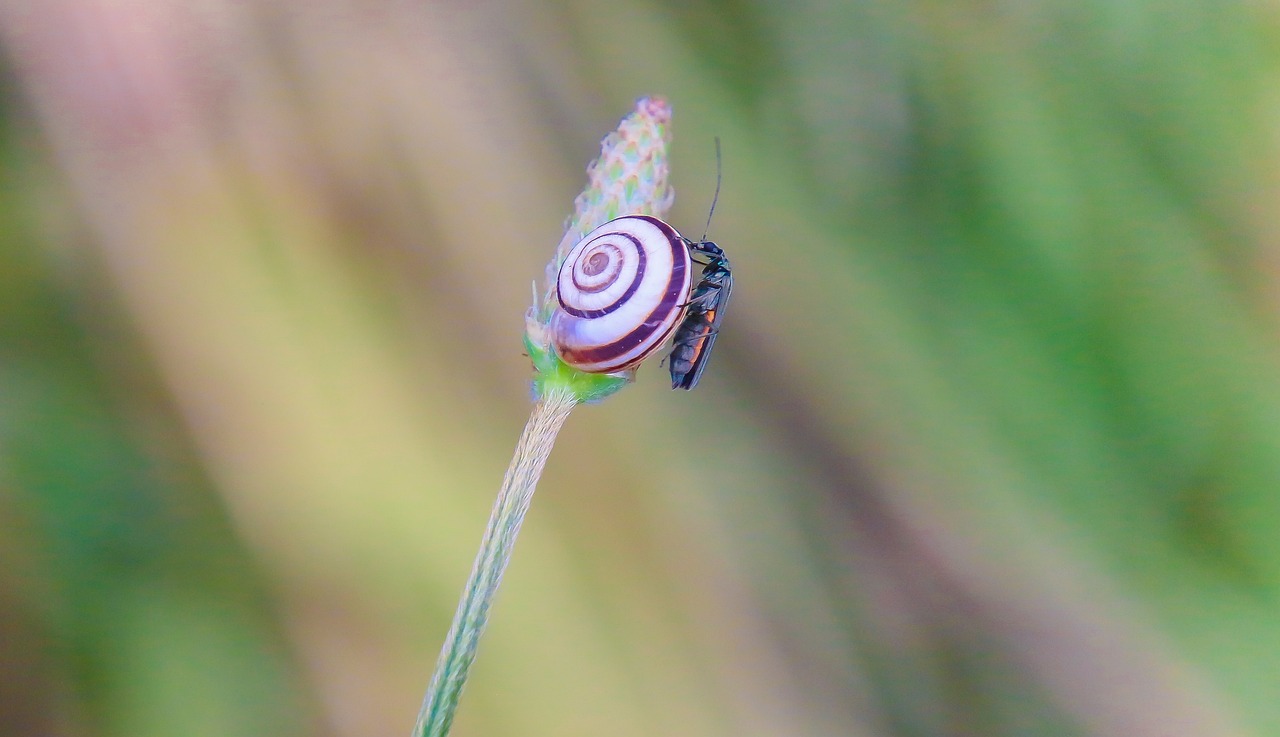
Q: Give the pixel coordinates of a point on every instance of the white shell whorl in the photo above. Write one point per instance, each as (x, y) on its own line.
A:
(623, 289)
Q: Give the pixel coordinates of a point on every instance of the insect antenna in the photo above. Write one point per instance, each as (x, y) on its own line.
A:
(715, 197)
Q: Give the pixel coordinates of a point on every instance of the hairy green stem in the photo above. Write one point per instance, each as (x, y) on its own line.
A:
(459, 651)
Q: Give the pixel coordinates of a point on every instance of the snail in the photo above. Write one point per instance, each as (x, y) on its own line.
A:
(627, 286)
(623, 290)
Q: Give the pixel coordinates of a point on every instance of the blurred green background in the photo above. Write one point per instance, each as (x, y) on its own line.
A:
(990, 444)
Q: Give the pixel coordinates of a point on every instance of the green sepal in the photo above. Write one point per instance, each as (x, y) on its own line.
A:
(552, 373)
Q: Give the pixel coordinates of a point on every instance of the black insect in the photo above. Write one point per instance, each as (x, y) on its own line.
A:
(696, 334)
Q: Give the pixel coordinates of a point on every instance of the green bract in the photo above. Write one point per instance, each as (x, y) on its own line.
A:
(552, 373)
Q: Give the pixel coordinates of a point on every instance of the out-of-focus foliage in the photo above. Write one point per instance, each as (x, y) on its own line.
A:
(990, 444)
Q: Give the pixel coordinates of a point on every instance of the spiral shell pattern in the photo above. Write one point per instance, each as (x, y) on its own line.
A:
(622, 289)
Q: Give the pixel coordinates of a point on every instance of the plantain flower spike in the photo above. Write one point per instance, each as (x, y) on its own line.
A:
(629, 178)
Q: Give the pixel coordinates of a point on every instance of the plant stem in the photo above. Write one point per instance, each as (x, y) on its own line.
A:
(459, 651)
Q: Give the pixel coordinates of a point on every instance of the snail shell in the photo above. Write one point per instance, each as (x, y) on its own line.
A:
(623, 289)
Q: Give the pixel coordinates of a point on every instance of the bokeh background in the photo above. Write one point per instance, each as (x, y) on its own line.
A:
(990, 444)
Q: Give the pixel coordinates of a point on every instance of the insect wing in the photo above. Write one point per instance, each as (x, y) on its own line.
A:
(703, 343)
